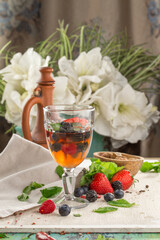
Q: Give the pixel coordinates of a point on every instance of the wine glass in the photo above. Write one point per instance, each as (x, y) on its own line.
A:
(69, 131)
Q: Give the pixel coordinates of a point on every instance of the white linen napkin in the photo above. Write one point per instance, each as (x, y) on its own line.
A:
(21, 163)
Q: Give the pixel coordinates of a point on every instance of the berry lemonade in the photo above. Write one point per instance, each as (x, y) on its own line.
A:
(69, 141)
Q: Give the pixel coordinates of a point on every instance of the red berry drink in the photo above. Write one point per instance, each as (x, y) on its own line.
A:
(69, 142)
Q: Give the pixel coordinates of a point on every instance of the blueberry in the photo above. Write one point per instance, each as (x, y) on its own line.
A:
(116, 185)
(81, 147)
(55, 137)
(55, 147)
(78, 192)
(85, 189)
(119, 193)
(66, 127)
(91, 196)
(108, 197)
(87, 135)
(64, 210)
(77, 137)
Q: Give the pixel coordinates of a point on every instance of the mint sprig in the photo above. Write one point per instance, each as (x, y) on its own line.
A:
(27, 190)
(59, 170)
(3, 235)
(149, 166)
(105, 209)
(49, 192)
(108, 168)
(121, 203)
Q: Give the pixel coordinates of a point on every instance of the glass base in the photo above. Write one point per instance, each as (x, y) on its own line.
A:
(72, 202)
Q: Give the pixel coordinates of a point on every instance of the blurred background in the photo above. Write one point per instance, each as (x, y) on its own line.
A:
(27, 22)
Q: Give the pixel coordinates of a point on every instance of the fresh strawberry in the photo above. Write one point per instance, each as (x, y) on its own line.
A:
(101, 184)
(43, 236)
(124, 177)
(82, 121)
(47, 206)
(69, 148)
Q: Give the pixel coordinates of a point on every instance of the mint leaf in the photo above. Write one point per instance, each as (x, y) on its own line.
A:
(77, 215)
(59, 171)
(105, 209)
(55, 126)
(148, 166)
(121, 203)
(23, 197)
(42, 199)
(3, 235)
(51, 192)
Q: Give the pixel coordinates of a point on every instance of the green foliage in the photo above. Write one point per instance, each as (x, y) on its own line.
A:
(108, 168)
(121, 203)
(49, 192)
(150, 166)
(105, 209)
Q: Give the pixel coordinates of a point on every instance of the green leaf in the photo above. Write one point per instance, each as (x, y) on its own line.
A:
(42, 199)
(100, 237)
(148, 166)
(105, 209)
(77, 215)
(23, 197)
(55, 126)
(51, 192)
(27, 190)
(121, 203)
(3, 235)
(59, 171)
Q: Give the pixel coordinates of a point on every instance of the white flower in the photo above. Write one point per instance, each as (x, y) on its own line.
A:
(123, 113)
(89, 72)
(21, 77)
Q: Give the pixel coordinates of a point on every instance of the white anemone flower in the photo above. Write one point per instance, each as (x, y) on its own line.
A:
(21, 77)
(123, 113)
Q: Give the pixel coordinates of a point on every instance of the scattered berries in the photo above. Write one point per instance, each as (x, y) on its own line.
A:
(101, 184)
(78, 192)
(116, 185)
(119, 193)
(124, 177)
(108, 197)
(47, 206)
(64, 210)
(91, 196)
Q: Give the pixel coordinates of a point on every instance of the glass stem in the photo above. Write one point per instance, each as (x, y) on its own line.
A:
(69, 181)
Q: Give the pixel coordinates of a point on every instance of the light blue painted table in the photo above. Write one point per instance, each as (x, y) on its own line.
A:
(84, 236)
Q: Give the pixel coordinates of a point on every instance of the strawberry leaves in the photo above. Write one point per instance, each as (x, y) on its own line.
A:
(148, 166)
(107, 168)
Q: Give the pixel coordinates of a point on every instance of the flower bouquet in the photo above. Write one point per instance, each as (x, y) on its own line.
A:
(88, 69)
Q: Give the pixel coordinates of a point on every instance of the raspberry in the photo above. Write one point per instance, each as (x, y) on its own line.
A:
(47, 206)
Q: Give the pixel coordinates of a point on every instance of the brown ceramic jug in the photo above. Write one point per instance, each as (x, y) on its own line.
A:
(43, 96)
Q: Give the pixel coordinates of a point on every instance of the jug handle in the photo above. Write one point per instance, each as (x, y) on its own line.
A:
(25, 116)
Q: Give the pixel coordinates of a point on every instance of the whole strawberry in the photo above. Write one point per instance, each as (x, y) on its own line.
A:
(101, 184)
(47, 206)
(124, 177)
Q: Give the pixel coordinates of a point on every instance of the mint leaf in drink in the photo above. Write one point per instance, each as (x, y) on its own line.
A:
(108, 168)
(59, 171)
(51, 192)
(55, 126)
(77, 215)
(23, 197)
(42, 199)
(121, 203)
(105, 209)
(149, 166)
